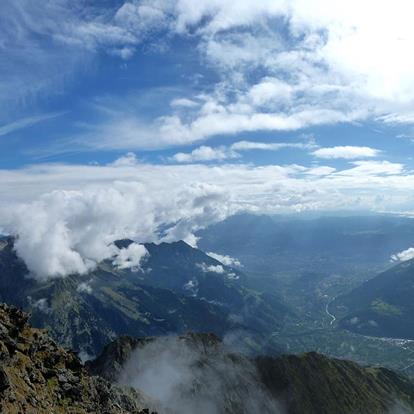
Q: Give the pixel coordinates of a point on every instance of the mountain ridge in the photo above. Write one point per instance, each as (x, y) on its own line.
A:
(382, 306)
(177, 289)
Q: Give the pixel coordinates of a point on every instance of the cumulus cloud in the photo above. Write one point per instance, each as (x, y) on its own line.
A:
(225, 259)
(130, 257)
(346, 152)
(64, 232)
(337, 65)
(404, 255)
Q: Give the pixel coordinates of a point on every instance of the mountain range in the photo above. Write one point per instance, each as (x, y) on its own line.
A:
(176, 289)
(325, 244)
(382, 306)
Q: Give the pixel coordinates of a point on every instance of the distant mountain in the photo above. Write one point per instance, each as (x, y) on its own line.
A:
(383, 306)
(178, 289)
(327, 244)
(197, 373)
(37, 376)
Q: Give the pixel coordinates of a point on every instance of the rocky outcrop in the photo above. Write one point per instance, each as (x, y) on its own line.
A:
(37, 376)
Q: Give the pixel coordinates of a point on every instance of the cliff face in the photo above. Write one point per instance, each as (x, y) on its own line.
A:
(37, 376)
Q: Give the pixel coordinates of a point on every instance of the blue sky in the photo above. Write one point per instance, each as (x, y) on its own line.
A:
(80, 84)
(185, 112)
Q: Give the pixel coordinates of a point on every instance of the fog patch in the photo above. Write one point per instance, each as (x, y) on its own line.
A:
(84, 356)
(186, 378)
(40, 304)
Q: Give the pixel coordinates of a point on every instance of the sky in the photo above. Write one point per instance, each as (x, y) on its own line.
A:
(153, 119)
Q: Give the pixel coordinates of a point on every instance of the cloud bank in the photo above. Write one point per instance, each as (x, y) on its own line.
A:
(66, 217)
(64, 232)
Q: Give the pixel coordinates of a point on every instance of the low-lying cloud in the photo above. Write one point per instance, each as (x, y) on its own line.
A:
(211, 268)
(65, 232)
(225, 259)
(404, 255)
(186, 378)
(130, 257)
(67, 217)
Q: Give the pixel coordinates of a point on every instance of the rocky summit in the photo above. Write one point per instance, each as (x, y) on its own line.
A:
(37, 376)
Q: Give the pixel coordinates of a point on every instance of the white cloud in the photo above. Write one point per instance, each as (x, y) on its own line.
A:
(320, 171)
(205, 153)
(403, 256)
(183, 103)
(347, 152)
(365, 168)
(130, 257)
(70, 231)
(128, 160)
(68, 216)
(333, 65)
(270, 146)
(315, 62)
(211, 269)
(225, 259)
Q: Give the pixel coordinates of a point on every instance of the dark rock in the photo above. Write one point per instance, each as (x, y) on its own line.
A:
(4, 380)
(40, 377)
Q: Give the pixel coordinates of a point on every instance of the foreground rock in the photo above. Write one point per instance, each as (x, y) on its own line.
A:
(37, 376)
